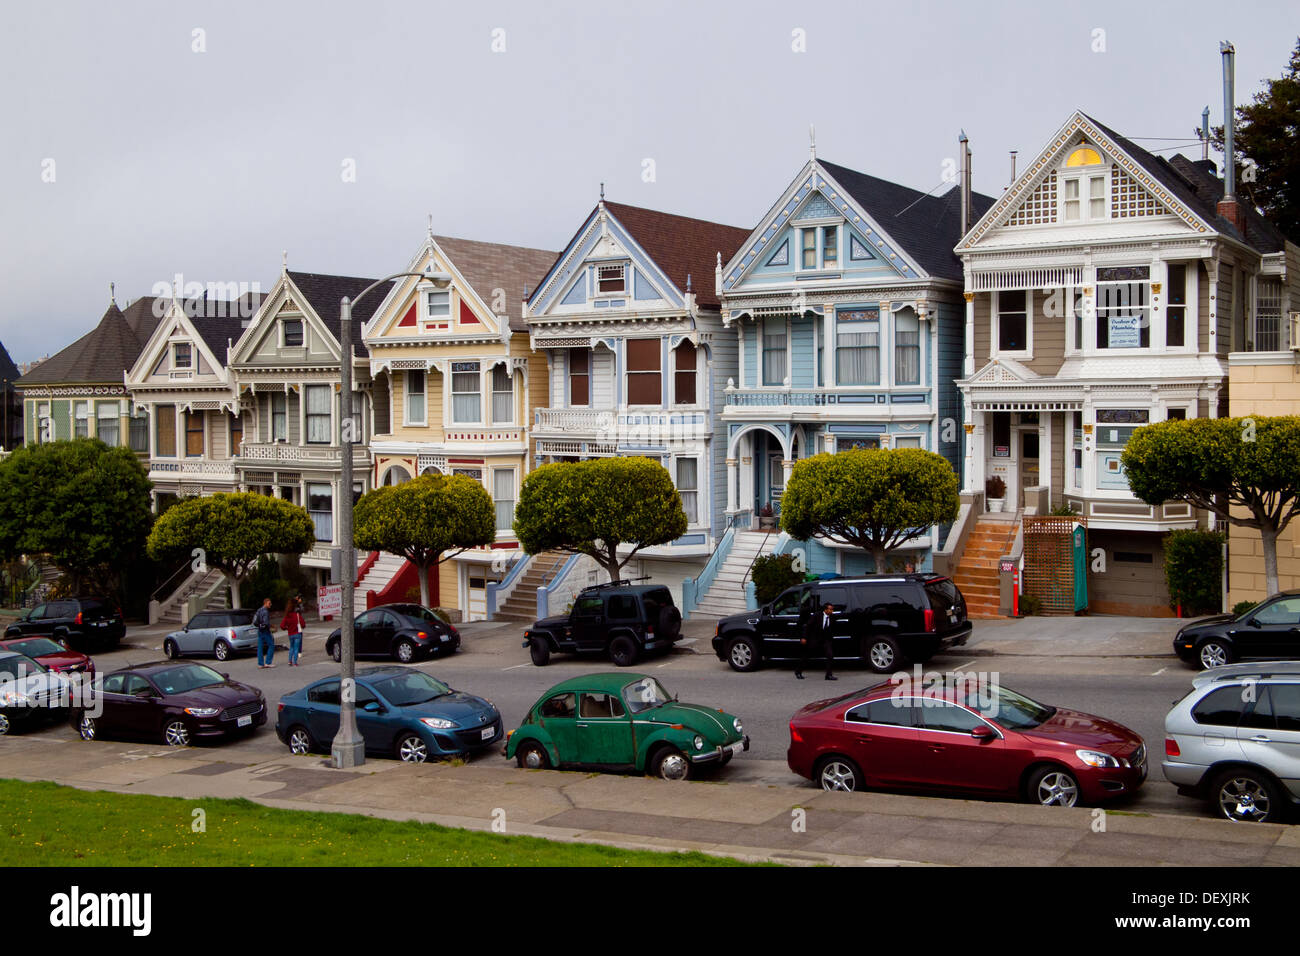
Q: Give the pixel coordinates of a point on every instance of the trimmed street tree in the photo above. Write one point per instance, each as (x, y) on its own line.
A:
(1222, 464)
(428, 520)
(593, 507)
(874, 499)
(230, 531)
(80, 503)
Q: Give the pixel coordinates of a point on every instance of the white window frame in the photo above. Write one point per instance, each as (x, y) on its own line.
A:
(428, 314)
(114, 415)
(44, 423)
(894, 364)
(176, 363)
(284, 414)
(1076, 327)
(308, 414)
(697, 490)
(762, 376)
(1083, 176)
(81, 419)
(1191, 329)
(913, 441)
(510, 379)
(284, 338)
(407, 392)
(1150, 349)
(673, 353)
(496, 502)
(307, 496)
(1028, 350)
(855, 328)
(597, 292)
(452, 393)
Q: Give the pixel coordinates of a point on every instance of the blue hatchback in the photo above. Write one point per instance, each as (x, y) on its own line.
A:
(401, 712)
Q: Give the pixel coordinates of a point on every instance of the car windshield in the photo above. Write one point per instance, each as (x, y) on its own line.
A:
(36, 646)
(410, 687)
(19, 666)
(179, 680)
(1006, 707)
(645, 693)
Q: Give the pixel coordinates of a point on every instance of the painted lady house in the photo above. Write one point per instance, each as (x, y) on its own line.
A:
(628, 320)
(1104, 291)
(845, 306)
(455, 385)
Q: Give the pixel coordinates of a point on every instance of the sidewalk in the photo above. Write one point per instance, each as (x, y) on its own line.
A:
(746, 821)
(1067, 636)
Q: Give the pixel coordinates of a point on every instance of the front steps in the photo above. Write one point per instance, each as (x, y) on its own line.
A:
(977, 574)
(727, 593)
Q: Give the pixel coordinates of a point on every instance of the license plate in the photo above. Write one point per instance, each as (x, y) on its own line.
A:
(244, 721)
(488, 732)
(101, 624)
(737, 747)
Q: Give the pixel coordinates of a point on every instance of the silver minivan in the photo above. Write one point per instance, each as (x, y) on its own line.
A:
(218, 633)
(1234, 739)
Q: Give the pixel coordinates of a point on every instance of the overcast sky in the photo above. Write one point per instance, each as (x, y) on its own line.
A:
(208, 153)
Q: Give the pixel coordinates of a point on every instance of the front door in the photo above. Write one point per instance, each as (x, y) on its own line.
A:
(1027, 466)
(604, 731)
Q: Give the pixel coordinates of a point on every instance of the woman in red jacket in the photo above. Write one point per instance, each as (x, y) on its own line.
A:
(294, 623)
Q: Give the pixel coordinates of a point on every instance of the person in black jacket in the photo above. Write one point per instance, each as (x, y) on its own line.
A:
(816, 638)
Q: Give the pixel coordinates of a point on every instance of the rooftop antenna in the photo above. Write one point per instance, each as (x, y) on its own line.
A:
(1205, 133)
(1013, 168)
(112, 293)
(812, 142)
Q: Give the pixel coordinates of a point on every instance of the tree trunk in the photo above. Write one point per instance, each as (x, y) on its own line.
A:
(1269, 538)
(424, 584)
(234, 590)
(878, 555)
(609, 561)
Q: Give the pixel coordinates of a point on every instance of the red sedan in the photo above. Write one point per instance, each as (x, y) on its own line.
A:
(985, 741)
(52, 654)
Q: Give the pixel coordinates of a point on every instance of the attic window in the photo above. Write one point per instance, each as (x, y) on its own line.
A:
(611, 279)
(1084, 156)
(438, 304)
(181, 355)
(292, 329)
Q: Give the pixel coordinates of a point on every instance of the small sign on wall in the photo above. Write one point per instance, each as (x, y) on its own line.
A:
(329, 600)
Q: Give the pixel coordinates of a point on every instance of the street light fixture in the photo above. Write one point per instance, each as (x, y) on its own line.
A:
(349, 748)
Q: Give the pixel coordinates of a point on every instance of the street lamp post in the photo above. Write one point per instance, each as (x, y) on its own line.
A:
(349, 748)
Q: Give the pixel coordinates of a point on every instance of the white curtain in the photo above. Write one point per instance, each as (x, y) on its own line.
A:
(857, 357)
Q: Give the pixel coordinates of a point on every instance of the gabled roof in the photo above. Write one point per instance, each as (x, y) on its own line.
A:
(489, 265)
(927, 227)
(1201, 191)
(325, 292)
(681, 246)
(104, 353)
(218, 331)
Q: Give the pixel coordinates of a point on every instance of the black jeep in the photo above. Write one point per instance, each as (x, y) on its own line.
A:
(622, 619)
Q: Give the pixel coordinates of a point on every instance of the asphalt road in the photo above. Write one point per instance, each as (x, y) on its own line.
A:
(1135, 691)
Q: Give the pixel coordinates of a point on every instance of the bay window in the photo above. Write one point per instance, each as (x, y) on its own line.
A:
(107, 417)
(320, 505)
(81, 419)
(279, 417)
(139, 432)
(466, 397)
(907, 348)
(1124, 307)
(1115, 426)
(236, 432)
(773, 333)
(1013, 320)
(688, 486)
(194, 434)
(1176, 307)
(165, 435)
(503, 497)
(579, 378)
(416, 401)
(684, 374)
(857, 347)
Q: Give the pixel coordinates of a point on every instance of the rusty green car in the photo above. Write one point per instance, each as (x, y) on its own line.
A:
(624, 721)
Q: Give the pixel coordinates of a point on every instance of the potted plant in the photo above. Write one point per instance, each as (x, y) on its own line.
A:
(766, 518)
(995, 491)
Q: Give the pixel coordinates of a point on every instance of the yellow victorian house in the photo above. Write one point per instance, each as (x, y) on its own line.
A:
(455, 383)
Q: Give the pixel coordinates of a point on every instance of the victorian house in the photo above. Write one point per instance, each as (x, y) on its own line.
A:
(845, 305)
(455, 385)
(286, 369)
(11, 404)
(628, 320)
(79, 392)
(1104, 291)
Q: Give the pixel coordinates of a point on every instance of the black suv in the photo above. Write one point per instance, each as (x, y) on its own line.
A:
(79, 621)
(622, 619)
(887, 621)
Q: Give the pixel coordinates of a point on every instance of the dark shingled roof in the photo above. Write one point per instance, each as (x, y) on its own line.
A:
(325, 292)
(1201, 191)
(8, 370)
(104, 353)
(487, 266)
(221, 322)
(682, 246)
(927, 227)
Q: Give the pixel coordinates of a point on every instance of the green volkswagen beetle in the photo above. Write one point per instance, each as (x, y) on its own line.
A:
(623, 721)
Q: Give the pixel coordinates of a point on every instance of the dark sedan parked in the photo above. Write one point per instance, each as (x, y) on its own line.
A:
(401, 632)
(173, 702)
(1270, 629)
(401, 712)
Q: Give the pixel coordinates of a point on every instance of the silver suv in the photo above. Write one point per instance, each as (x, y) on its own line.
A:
(1235, 740)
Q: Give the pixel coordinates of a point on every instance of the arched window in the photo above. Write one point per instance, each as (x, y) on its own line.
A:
(685, 358)
(396, 475)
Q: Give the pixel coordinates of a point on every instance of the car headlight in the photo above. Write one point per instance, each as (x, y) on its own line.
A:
(203, 711)
(1094, 758)
(699, 742)
(437, 723)
(740, 728)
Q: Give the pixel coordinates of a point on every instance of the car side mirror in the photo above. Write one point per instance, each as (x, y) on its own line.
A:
(225, 677)
(1254, 622)
(372, 707)
(983, 733)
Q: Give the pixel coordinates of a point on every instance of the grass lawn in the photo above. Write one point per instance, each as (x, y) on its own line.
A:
(45, 824)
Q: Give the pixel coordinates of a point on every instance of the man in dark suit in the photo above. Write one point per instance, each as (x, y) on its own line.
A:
(816, 639)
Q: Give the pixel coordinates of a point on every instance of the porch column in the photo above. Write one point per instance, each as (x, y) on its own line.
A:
(786, 466)
(970, 334)
(1045, 453)
(731, 485)
(1088, 482)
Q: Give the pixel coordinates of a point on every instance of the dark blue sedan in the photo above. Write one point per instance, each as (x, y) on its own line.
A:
(401, 712)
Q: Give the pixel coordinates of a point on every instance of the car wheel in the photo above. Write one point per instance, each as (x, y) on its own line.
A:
(883, 655)
(170, 649)
(300, 740)
(622, 651)
(539, 651)
(6, 724)
(671, 764)
(176, 734)
(405, 651)
(411, 748)
(1214, 654)
(1053, 787)
(838, 773)
(336, 652)
(532, 756)
(87, 728)
(221, 650)
(1247, 796)
(742, 654)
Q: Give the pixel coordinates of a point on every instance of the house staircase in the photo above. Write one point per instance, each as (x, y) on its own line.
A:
(376, 579)
(521, 604)
(173, 610)
(977, 573)
(727, 593)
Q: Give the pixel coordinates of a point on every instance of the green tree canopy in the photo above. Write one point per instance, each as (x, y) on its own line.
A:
(83, 505)
(594, 507)
(1265, 131)
(874, 499)
(1245, 470)
(427, 520)
(231, 531)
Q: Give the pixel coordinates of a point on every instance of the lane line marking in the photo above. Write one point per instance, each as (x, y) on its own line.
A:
(527, 664)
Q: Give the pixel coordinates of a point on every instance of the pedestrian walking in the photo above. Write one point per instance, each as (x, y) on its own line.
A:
(294, 623)
(816, 640)
(265, 636)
